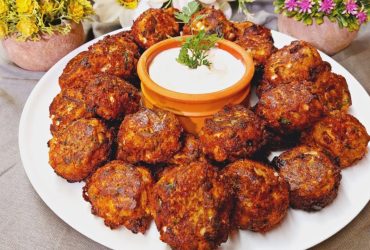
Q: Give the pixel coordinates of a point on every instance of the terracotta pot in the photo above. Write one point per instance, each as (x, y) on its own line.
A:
(193, 109)
(41, 55)
(327, 37)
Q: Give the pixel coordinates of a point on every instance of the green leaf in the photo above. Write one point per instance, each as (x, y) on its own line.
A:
(187, 11)
(319, 20)
(307, 20)
(193, 52)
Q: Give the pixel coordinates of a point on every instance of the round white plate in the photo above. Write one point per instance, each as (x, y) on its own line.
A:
(298, 231)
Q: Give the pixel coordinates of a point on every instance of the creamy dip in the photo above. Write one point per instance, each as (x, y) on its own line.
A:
(224, 72)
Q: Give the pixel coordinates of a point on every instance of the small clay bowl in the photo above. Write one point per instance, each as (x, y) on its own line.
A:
(193, 109)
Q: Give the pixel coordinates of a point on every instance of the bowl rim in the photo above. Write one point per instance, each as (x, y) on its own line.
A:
(231, 47)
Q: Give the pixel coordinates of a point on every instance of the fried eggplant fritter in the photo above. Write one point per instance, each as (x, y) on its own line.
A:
(68, 106)
(150, 136)
(76, 70)
(191, 207)
(257, 40)
(119, 193)
(295, 62)
(80, 148)
(111, 97)
(312, 176)
(153, 26)
(212, 21)
(115, 55)
(262, 196)
(189, 152)
(290, 108)
(332, 90)
(232, 133)
(342, 135)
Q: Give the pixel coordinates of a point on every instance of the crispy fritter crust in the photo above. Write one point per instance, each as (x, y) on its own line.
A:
(212, 21)
(118, 192)
(68, 106)
(189, 152)
(290, 108)
(332, 90)
(342, 135)
(232, 133)
(115, 55)
(312, 176)
(150, 136)
(257, 40)
(262, 196)
(111, 97)
(191, 207)
(76, 70)
(79, 149)
(295, 62)
(153, 26)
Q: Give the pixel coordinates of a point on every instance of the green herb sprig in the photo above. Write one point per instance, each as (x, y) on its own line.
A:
(193, 52)
(187, 11)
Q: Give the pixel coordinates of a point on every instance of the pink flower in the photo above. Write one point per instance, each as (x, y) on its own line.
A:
(305, 6)
(291, 5)
(351, 7)
(327, 6)
(361, 17)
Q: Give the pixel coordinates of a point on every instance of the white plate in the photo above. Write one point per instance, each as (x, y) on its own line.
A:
(298, 231)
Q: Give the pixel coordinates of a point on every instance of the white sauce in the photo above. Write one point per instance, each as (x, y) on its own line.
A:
(224, 72)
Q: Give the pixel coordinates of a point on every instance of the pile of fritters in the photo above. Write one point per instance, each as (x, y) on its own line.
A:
(139, 164)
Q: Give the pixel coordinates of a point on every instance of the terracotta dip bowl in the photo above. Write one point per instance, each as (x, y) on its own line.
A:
(193, 109)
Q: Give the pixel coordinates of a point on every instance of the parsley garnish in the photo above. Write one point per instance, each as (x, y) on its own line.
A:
(187, 11)
(193, 52)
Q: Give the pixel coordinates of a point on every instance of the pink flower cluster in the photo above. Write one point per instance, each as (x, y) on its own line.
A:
(326, 6)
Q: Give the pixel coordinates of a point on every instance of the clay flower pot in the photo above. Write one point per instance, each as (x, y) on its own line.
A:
(41, 55)
(328, 36)
(193, 109)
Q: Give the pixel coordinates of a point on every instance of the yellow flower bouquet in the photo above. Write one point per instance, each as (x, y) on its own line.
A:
(28, 19)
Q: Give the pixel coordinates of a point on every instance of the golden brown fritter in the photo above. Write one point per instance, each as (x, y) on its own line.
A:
(234, 132)
(111, 97)
(262, 196)
(69, 105)
(119, 193)
(257, 40)
(76, 70)
(212, 21)
(295, 62)
(332, 90)
(115, 55)
(312, 176)
(79, 149)
(189, 152)
(342, 135)
(151, 136)
(153, 26)
(191, 207)
(290, 108)
(278, 141)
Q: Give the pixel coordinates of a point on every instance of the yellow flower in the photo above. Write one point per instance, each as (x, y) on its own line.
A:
(3, 7)
(25, 6)
(3, 29)
(47, 6)
(129, 4)
(27, 27)
(76, 11)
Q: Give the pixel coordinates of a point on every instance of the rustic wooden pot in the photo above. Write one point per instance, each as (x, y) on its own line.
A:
(41, 55)
(327, 36)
